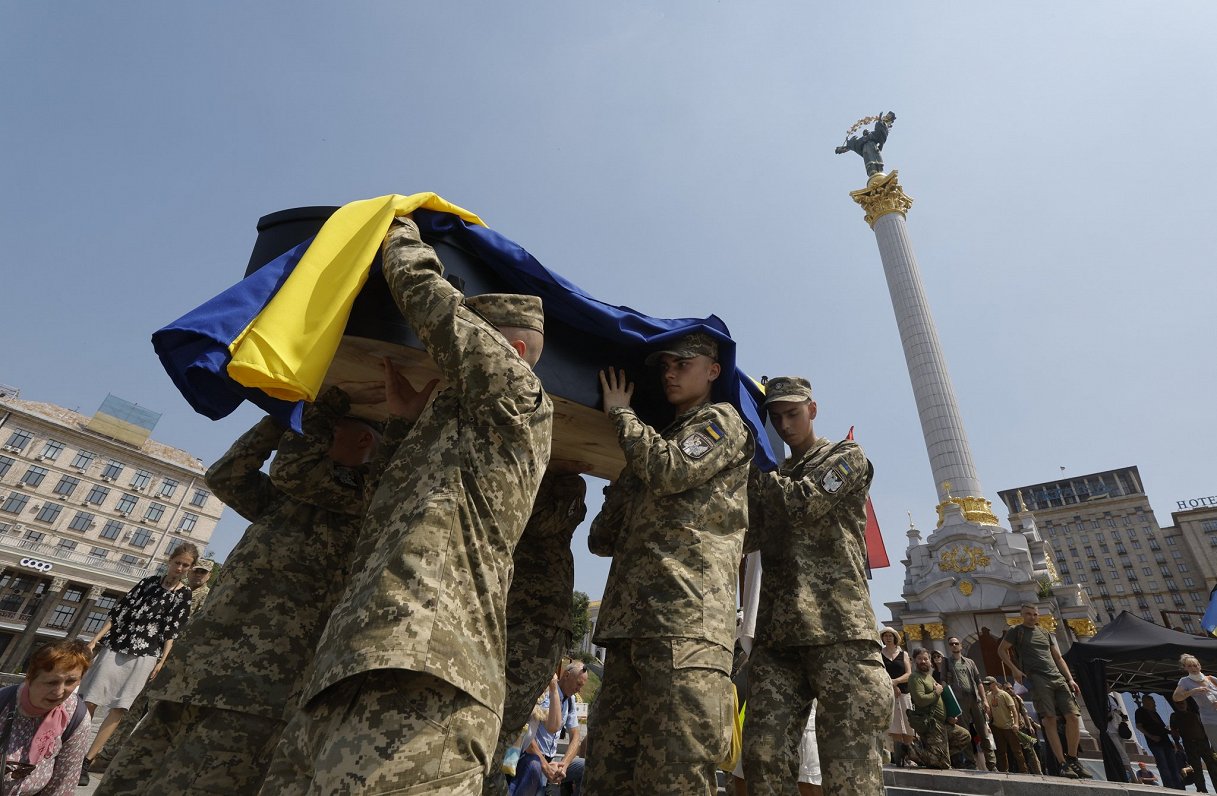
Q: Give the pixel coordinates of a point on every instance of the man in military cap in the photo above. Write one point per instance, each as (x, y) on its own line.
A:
(407, 687)
(539, 622)
(238, 668)
(815, 628)
(673, 522)
(197, 581)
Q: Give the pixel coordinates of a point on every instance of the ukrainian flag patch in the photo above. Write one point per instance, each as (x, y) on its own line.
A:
(714, 431)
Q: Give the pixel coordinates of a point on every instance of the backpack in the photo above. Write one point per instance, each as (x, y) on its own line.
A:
(8, 699)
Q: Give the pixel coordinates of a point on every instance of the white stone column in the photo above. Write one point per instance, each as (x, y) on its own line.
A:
(946, 442)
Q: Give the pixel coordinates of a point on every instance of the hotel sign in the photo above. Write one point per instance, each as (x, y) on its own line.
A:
(1197, 503)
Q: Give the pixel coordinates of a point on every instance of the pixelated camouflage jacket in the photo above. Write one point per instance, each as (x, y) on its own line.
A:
(434, 559)
(544, 577)
(249, 649)
(674, 524)
(808, 519)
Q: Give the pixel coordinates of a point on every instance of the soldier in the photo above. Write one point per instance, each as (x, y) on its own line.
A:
(407, 687)
(938, 739)
(539, 622)
(199, 588)
(673, 523)
(224, 698)
(815, 629)
(962, 675)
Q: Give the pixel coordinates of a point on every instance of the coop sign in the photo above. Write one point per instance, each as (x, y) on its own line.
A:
(33, 563)
(1197, 503)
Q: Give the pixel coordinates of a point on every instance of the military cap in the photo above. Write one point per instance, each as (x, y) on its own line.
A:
(990, 680)
(690, 345)
(204, 564)
(787, 388)
(509, 309)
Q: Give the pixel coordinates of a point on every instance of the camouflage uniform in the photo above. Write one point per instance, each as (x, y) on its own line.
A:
(237, 671)
(936, 739)
(407, 685)
(539, 605)
(815, 628)
(674, 523)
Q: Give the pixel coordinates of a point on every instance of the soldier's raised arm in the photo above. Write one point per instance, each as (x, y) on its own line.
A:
(491, 379)
(303, 467)
(236, 477)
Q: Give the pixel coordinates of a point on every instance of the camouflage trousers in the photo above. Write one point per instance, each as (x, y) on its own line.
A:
(533, 654)
(193, 749)
(852, 717)
(662, 721)
(385, 731)
(937, 741)
(137, 711)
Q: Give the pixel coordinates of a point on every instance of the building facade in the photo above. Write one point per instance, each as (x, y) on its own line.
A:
(1105, 539)
(88, 507)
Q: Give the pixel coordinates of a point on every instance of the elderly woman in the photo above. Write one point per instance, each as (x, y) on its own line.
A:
(1202, 688)
(43, 723)
(896, 661)
(137, 639)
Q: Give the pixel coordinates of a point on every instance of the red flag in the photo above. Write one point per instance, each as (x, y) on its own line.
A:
(876, 552)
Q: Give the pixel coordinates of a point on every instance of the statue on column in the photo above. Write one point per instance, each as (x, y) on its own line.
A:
(870, 144)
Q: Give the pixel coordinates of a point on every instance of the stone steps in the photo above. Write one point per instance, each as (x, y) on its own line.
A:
(906, 781)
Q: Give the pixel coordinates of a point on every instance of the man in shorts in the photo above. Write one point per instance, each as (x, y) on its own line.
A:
(1052, 689)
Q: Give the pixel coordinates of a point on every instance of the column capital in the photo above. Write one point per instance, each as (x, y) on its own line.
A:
(57, 584)
(883, 194)
(975, 509)
(95, 593)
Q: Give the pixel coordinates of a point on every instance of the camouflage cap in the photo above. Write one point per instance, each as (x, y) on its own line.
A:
(691, 345)
(204, 563)
(787, 388)
(509, 309)
(990, 680)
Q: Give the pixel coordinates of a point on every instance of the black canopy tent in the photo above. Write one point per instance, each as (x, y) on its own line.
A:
(1131, 654)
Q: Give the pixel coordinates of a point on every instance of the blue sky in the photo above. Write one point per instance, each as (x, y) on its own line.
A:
(677, 159)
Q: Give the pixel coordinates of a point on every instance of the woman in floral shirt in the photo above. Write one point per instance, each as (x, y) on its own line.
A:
(137, 639)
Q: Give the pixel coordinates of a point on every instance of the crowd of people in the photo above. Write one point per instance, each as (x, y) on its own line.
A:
(398, 607)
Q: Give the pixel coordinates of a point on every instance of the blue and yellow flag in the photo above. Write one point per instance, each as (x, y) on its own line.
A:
(1209, 621)
(271, 338)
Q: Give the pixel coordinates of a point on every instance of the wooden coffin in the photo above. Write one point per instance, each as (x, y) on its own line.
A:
(568, 368)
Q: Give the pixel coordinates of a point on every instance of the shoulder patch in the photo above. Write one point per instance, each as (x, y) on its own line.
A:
(697, 444)
(831, 481)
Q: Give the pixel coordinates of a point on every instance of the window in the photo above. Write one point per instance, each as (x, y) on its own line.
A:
(1147, 570)
(33, 476)
(99, 553)
(61, 617)
(154, 512)
(1111, 523)
(1109, 562)
(1183, 567)
(49, 512)
(126, 504)
(188, 522)
(1068, 580)
(5, 527)
(66, 486)
(15, 503)
(1176, 554)
(112, 529)
(6, 464)
(82, 522)
(35, 536)
(97, 495)
(1159, 599)
(141, 538)
(1208, 525)
(1172, 540)
(1089, 551)
(83, 460)
(140, 479)
(1188, 582)
(1136, 545)
(19, 439)
(1119, 588)
(201, 495)
(129, 559)
(168, 487)
(1128, 520)
(174, 544)
(51, 450)
(112, 470)
(66, 546)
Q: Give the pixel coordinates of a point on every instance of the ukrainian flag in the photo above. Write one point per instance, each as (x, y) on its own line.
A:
(1209, 622)
(271, 338)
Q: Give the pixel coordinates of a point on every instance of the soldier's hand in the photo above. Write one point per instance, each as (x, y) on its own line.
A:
(616, 389)
(363, 392)
(402, 398)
